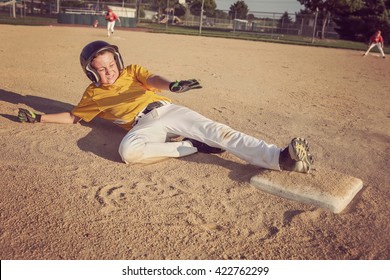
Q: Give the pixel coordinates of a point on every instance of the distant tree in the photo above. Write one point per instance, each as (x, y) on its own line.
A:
(221, 14)
(323, 7)
(332, 5)
(161, 6)
(360, 23)
(356, 19)
(285, 19)
(158, 5)
(239, 10)
(327, 7)
(251, 17)
(179, 9)
(208, 8)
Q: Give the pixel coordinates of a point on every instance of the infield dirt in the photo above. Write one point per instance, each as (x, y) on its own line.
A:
(65, 194)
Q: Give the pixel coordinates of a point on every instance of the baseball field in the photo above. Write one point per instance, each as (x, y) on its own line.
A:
(65, 194)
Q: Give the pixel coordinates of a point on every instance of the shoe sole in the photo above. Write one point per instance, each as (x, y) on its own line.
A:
(299, 151)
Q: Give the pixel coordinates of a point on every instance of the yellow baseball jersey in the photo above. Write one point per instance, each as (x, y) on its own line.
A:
(121, 101)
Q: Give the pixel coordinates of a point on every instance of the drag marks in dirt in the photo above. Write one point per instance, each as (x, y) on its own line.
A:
(125, 194)
(185, 206)
(175, 204)
(224, 112)
(42, 143)
(111, 195)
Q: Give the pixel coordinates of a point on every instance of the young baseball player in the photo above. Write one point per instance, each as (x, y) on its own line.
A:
(111, 18)
(129, 97)
(376, 40)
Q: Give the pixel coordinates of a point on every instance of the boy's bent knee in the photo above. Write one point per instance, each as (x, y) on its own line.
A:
(132, 152)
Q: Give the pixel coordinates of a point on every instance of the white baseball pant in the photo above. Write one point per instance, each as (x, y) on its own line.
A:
(147, 142)
(379, 45)
(110, 27)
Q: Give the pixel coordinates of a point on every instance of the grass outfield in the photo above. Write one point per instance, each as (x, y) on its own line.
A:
(211, 32)
(27, 20)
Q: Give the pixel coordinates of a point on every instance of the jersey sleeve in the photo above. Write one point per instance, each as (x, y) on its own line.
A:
(141, 74)
(87, 109)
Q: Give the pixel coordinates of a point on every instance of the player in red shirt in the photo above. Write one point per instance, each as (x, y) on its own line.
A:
(111, 18)
(376, 40)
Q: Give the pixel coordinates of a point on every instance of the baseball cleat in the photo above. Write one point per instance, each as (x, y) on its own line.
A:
(204, 148)
(298, 158)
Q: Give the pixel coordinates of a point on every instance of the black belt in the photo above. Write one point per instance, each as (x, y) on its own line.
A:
(152, 106)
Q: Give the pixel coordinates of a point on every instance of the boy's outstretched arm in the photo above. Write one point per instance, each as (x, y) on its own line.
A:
(26, 115)
(64, 117)
(159, 82)
(176, 86)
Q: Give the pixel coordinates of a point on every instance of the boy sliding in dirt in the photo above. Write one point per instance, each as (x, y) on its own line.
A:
(128, 96)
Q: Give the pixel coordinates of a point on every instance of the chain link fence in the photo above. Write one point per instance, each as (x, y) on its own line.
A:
(54, 7)
(269, 24)
(262, 23)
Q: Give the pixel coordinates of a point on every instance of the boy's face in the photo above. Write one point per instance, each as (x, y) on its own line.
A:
(106, 67)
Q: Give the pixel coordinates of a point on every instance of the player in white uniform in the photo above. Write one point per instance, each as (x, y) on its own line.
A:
(129, 97)
(376, 40)
(111, 18)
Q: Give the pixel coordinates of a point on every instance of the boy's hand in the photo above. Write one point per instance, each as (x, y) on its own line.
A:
(26, 115)
(184, 85)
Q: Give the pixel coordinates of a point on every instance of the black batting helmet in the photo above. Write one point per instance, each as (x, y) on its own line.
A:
(89, 53)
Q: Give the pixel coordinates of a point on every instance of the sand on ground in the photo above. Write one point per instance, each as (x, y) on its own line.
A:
(65, 194)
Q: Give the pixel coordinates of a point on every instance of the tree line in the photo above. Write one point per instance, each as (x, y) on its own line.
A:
(355, 19)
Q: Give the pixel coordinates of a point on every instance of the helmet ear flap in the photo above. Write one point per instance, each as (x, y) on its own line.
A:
(92, 74)
(91, 77)
(119, 60)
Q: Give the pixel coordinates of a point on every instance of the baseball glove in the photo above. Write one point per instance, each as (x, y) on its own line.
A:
(184, 85)
(26, 115)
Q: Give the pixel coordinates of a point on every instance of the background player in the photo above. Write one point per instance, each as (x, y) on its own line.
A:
(376, 40)
(111, 18)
